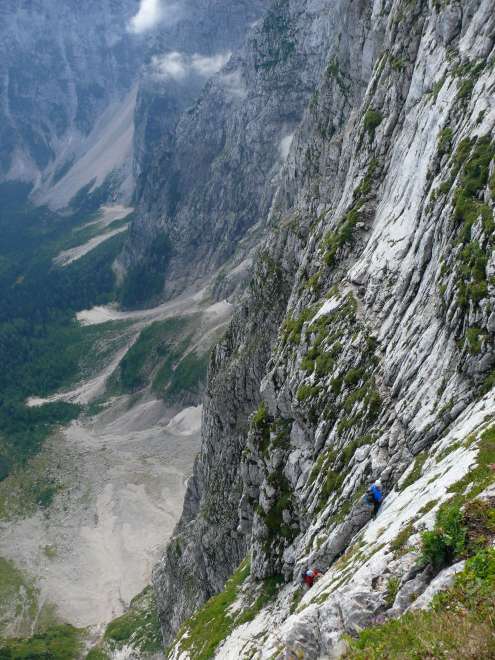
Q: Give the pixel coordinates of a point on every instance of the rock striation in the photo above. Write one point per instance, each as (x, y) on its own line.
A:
(363, 346)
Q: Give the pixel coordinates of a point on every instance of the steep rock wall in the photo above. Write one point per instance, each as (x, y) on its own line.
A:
(214, 168)
(385, 215)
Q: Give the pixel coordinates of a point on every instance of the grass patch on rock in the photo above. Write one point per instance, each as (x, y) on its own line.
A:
(139, 627)
(415, 473)
(200, 636)
(459, 624)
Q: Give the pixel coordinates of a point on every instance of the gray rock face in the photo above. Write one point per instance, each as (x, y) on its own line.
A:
(61, 65)
(208, 546)
(366, 330)
(209, 173)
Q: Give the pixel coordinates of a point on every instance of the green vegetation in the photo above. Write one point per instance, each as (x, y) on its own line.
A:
(145, 281)
(296, 599)
(139, 627)
(268, 433)
(459, 625)
(40, 344)
(325, 459)
(397, 63)
(372, 119)
(331, 469)
(260, 424)
(17, 594)
(367, 396)
(393, 584)
(278, 532)
(445, 141)
(447, 450)
(468, 73)
(292, 328)
(435, 90)
(28, 488)
(415, 473)
(354, 393)
(473, 340)
(202, 634)
(189, 375)
(161, 356)
(334, 71)
(465, 89)
(472, 161)
(464, 523)
(62, 642)
(427, 508)
(97, 654)
(460, 622)
(482, 475)
(307, 392)
(399, 544)
(335, 240)
(447, 540)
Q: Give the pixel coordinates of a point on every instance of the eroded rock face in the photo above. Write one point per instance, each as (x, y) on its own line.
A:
(209, 173)
(366, 332)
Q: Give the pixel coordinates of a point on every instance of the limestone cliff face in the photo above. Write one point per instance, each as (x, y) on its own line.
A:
(213, 168)
(364, 345)
(61, 66)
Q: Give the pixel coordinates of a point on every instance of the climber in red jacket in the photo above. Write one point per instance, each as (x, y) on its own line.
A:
(310, 576)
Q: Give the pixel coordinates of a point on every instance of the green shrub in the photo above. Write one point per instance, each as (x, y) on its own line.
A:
(465, 89)
(307, 392)
(393, 584)
(473, 340)
(447, 540)
(97, 654)
(324, 364)
(292, 327)
(353, 376)
(445, 141)
(61, 642)
(372, 119)
(260, 417)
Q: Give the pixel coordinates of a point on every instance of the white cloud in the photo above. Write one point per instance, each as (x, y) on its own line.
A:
(151, 13)
(208, 66)
(284, 146)
(177, 66)
(171, 65)
(233, 85)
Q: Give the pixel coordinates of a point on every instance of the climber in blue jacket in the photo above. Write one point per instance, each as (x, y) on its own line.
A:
(375, 496)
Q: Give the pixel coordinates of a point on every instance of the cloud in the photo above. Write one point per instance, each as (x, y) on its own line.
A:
(177, 66)
(233, 85)
(285, 145)
(151, 13)
(208, 66)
